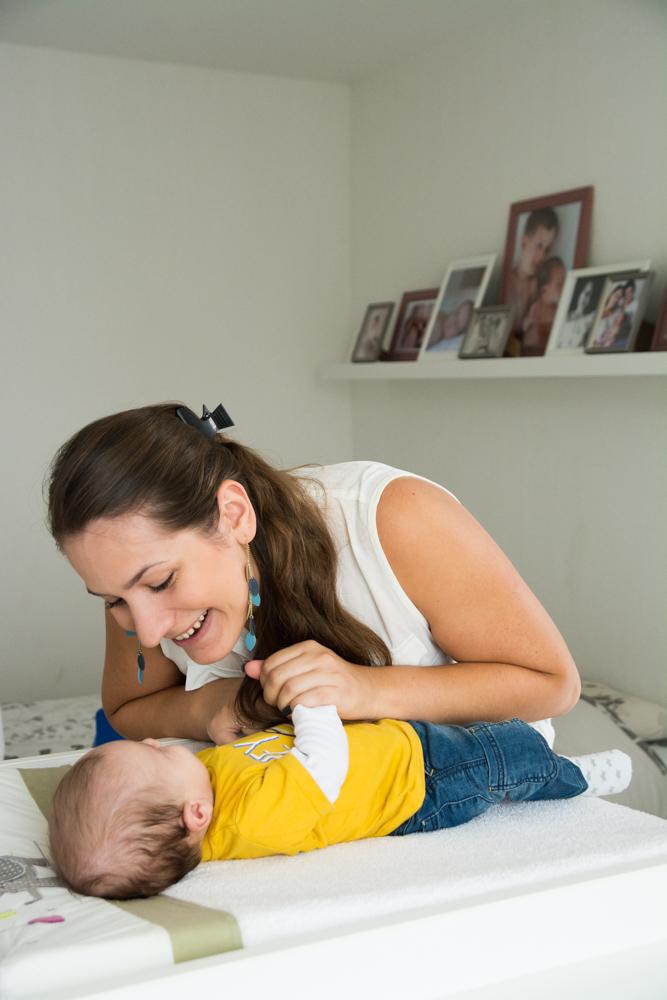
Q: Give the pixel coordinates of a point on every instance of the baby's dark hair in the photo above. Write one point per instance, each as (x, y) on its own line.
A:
(106, 843)
(545, 217)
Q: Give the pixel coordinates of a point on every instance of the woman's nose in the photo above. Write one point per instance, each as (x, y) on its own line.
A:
(151, 625)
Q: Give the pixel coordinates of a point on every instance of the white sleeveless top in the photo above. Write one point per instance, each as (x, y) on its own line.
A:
(348, 495)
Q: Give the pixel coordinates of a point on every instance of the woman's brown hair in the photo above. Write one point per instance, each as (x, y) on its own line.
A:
(148, 460)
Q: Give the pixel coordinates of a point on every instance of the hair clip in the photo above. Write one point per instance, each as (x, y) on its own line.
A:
(209, 423)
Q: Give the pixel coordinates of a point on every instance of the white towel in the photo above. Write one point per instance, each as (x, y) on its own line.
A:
(513, 846)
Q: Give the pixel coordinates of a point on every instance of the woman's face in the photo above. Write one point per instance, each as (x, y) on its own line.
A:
(160, 583)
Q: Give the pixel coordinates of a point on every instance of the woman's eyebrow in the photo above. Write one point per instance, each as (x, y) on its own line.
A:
(135, 579)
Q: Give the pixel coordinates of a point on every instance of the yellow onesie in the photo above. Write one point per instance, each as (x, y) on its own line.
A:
(266, 802)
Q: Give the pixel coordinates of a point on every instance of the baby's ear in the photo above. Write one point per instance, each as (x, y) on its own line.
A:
(196, 815)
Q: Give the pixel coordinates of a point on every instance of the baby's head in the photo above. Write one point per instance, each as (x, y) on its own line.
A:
(540, 231)
(129, 818)
(550, 280)
(457, 321)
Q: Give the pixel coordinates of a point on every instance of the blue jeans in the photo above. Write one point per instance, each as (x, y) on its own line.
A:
(470, 768)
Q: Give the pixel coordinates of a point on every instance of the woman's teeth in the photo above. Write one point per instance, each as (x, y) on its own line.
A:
(193, 628)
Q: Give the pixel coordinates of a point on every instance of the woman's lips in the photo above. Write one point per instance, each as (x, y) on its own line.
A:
(197, 634)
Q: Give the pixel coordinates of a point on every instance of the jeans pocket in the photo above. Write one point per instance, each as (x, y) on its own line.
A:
(456, 812)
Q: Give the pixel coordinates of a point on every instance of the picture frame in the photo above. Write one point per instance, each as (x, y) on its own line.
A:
(368, 342)
(461, 292)
(620, 313)
(546, 237)
(579, 303)
(413, 317)
(659, 340)
(487, 335)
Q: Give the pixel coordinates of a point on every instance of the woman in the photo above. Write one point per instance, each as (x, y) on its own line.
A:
(372, 582)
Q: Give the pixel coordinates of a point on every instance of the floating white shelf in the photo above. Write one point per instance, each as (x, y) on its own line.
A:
(550, 366)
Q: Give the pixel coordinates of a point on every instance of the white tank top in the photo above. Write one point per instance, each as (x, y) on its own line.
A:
(348, 495)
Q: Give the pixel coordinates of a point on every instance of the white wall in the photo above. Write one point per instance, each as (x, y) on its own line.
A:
(166, 233)
(570, 477)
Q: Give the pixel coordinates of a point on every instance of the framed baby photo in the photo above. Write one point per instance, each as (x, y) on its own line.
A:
(413, 315)
(368, 344)
(579, 305)
(546, 238)
(461, 292)
(619, 313)
(487, 334)
(659, 341)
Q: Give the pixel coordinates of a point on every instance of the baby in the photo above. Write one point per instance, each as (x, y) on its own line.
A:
(539, 235)
(129, 819)
(537, 324)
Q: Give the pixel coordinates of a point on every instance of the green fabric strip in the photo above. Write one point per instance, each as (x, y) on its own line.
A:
(42, 782)
(194, 931)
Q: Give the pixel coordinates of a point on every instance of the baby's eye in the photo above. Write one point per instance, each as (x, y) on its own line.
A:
(165, 583)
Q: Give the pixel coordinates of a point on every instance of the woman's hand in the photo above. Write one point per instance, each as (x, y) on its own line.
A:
(310, 674)
(224, 727)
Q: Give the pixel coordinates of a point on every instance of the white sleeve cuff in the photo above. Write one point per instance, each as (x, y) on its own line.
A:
(320, 745)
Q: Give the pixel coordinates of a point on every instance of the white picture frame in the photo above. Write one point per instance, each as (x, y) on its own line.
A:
(573, 322)
(461, 292)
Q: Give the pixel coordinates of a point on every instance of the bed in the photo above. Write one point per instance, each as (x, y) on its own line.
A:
(456, 913)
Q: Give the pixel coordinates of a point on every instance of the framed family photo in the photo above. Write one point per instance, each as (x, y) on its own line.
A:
(659, 341)
(579, 305)
(368, 344)
(620, 313)
(488, 332)
(461, 292)
(546, 238)
(414, 314)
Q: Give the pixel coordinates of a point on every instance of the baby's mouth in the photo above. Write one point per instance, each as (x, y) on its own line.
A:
(196, 625)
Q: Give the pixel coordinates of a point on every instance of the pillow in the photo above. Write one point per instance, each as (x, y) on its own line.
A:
(586, 729)
(645, 720)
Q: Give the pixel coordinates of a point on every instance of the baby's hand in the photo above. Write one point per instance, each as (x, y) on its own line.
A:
(253, 667)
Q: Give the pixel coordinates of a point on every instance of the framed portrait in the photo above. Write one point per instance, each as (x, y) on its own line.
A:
(368, 344)
(579, 305)
(659, 341)
(413, 315)
(546, 238)
(487, 334)
(461, 292)
(619, 313)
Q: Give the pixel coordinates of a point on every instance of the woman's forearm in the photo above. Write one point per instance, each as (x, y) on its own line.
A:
(175, 712)
(462, 693)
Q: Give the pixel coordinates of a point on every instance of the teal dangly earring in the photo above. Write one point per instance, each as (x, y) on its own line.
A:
(141, 663)
(254, 601)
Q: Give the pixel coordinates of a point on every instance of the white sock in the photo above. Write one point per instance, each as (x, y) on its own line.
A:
(607, 773)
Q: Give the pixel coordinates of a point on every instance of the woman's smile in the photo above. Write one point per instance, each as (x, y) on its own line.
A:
(196, 631)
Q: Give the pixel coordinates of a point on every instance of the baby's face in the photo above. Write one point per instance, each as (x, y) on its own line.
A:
(172, 769)
(535, 247)
(551, 292)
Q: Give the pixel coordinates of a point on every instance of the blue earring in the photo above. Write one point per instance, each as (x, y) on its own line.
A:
(141, 663)
(254, 601)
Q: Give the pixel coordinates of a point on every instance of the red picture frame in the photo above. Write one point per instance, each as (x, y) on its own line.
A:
(546, 237)
(659, 339)
(405, 343)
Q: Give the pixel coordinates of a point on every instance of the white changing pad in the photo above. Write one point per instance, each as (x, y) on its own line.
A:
(56, 944)
(513, 848)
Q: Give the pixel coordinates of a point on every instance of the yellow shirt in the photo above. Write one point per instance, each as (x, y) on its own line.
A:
(266, 802)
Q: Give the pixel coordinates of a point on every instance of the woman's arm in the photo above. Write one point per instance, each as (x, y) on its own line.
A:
(512, 661)
(160, 706)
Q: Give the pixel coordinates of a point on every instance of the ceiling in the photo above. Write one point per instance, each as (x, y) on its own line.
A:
(337, 40)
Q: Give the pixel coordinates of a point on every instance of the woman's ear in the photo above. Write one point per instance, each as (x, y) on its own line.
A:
(236, 515)
(197, 815)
